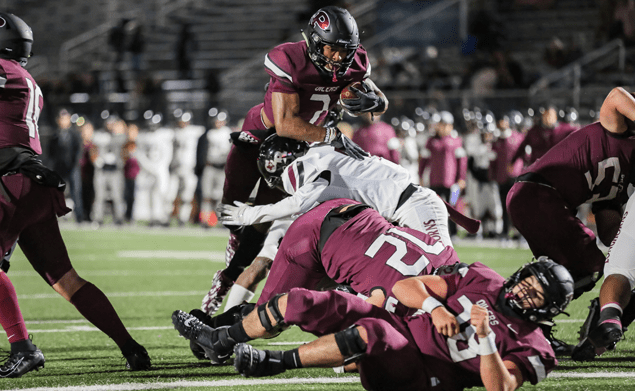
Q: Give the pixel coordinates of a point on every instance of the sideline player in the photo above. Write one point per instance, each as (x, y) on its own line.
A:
(306, 79)
(31, 199)
(494, 341)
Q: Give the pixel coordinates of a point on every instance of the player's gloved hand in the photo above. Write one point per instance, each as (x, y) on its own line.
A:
(366, 102)
(338, 140)
(234, 215)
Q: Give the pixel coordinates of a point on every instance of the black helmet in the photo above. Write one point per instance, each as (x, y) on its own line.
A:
(557, 285)
(331, 26)
(276, 153)
(16, 38)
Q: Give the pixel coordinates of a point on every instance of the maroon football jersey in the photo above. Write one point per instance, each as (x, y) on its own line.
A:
(20, 104)
(540, 140)
(591, 164)
(376, 254)
(447, 161)
(517, 340)
(292, 71)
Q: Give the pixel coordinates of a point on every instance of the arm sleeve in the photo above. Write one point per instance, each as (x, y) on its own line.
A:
(303, 200)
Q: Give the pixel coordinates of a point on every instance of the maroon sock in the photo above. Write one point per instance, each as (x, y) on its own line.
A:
(10, 314)
(93, 304)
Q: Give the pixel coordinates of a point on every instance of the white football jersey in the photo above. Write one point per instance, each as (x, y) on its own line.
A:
(324, 174)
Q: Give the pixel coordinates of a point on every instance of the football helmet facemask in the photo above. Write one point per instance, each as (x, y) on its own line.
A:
(275, 154)
(16, 38)
(336, 27)
(557, 286)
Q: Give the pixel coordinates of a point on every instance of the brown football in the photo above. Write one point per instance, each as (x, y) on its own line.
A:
(347, 93)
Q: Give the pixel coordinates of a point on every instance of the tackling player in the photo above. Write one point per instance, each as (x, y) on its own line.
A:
(306, 79)
(31, 199)
(477, 329)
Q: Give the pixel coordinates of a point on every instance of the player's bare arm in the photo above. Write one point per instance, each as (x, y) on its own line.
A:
(286, 109)
(496, 374)
(416, 292)
(618, 104)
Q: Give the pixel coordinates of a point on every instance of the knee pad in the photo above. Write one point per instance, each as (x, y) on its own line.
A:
(277, 316)
(351, 344)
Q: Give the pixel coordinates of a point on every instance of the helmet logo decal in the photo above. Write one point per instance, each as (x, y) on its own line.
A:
(321, 19)
(270, 166)
(2, 22)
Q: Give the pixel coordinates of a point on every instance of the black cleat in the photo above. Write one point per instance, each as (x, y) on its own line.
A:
(251, 362)
(560, 347)
(137, 358)
(216, 343)
(592, 341)
(22, 362)
(606, 335)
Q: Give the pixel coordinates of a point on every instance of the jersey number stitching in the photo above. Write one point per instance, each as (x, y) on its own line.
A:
(33, 108)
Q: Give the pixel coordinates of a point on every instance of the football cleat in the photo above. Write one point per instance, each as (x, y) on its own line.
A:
(215, 343)
(214, 298)
(560, 348)
(251, 362)
(137, 358)
(606, 335)
(592, 341)
(17, 364)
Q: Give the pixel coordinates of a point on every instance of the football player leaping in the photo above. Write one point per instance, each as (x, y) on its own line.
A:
(306, 79)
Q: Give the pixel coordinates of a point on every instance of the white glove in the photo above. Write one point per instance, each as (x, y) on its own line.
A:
(235, 215)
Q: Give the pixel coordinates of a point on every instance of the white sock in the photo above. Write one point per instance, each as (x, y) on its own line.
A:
(237, 295)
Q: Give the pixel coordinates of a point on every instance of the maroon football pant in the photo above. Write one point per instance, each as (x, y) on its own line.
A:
(552, 229)
(392, 360)
(31, 216)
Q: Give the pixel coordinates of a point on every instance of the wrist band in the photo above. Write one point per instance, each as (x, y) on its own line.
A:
(487, 345)
(430, 303)
(330, 134)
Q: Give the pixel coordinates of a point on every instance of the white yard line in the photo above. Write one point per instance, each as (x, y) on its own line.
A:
(238, 382)
(120, 294)
(173, 255)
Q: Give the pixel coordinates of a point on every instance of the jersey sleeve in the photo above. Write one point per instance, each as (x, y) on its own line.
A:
(280, 67)
(533, 364)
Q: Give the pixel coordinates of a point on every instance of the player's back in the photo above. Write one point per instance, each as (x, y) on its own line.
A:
(21, 102)
(590, 165)
(373, 181)
(368, 252)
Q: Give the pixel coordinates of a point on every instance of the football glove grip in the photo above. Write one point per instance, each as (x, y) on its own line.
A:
(339, 141)
(366, 102)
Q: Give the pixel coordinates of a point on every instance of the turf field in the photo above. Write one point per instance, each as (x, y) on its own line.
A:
(149, 273)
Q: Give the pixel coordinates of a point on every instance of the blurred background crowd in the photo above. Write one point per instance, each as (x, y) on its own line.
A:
(140, 98)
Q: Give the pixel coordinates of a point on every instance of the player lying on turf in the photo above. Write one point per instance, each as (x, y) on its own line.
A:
(477, 329)
(377, 255)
